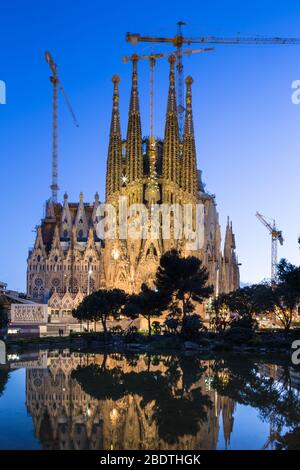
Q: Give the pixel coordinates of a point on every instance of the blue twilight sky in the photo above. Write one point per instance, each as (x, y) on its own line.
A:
(247, 129)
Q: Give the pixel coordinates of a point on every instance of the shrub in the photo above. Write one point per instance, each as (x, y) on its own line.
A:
(156, 328)
(193, 325)
(171, 325)
(247, 322)
(117, 330)
(239, 335)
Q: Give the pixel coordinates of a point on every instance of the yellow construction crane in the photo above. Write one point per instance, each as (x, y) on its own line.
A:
(56, 84)
(152, 59)
(276, 236)
(178, 41)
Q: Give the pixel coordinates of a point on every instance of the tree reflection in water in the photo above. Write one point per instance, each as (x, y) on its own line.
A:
(270, 391)
(179, 409)
(99, 401)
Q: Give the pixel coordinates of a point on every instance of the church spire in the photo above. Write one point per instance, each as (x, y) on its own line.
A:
(134, 133)
(189, 164)
(113, 171)
(171, 140)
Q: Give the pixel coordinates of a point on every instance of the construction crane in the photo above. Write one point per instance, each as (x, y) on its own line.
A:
(56, 84)
(276, 236)
(178, 41)
(152, 59)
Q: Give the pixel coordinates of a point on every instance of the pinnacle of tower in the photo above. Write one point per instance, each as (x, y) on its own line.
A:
(171, 139)
(134, 157)
(55, 245)
(152, 191)
(113, 170)
(189, 165)
(172, 93)
(39, 242)
(50, 213)
(229, 244)
(188, 125)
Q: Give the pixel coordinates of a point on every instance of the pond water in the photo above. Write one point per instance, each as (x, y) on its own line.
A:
(76, 400)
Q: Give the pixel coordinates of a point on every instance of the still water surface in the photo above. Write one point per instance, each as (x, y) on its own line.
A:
(64, 400)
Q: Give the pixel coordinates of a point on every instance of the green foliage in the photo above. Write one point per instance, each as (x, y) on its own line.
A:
(117, 330)
(4, 375)
(171, 325)
(219, 312)
(246, 322)
(3, 315)
(238, 335)
(287, 292)
(156, 328)
(251, 300)
(194, 325)
(182, 280)
(101, 305)
(148, 303)
(290, 441)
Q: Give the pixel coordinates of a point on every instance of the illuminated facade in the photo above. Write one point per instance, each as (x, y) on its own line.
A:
(69, 257)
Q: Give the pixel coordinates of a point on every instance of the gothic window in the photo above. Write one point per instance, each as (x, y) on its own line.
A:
(80, 234)
(35, 292)
(55, 282)
(65, 233)
(73, 285)
(38, 258)
(38, 282)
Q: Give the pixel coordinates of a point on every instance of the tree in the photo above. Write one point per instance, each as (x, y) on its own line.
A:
(287, 292)
(148, 303)
(183, 280)
(101, 305)
(220, 309)
(171, 324)
(3, 315)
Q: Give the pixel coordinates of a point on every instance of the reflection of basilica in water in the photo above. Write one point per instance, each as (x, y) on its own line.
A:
(67, 417)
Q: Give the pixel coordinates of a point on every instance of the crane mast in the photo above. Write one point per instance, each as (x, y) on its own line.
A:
(178, 41)
(276, 236)
(56, 85)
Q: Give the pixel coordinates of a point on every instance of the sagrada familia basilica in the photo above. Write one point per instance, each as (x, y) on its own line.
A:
(70, 260)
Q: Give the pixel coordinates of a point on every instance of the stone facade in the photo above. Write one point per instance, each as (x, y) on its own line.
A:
(23, 314)
(69, 257)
